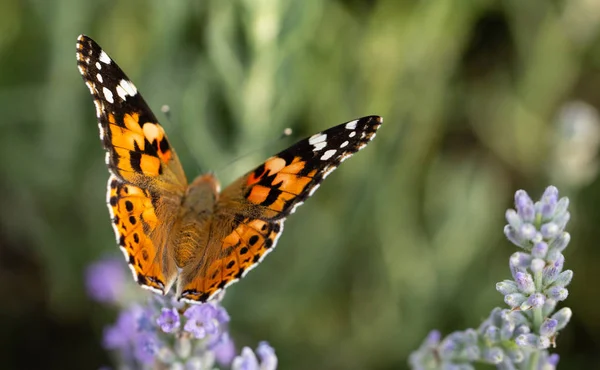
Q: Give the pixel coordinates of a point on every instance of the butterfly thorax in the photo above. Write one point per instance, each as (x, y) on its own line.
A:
(192, 227)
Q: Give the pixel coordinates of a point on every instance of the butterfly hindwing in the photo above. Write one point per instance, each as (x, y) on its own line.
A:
(264, 197)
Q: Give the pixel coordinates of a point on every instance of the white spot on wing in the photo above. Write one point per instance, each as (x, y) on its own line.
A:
(98, 65)
(328, 154)
(318, 138)
(344, 144)
(352, 134)
(104, 58)
(108, 95)
(122, 94)
(128, 87)
(319, 146)
(99, 78)
(351, 125)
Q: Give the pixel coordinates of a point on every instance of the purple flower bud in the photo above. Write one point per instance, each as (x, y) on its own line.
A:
(527, 340)
(105, 280)
(514, 299)
(535, 300)
(562, 220)
(224, 349)
(491, 335)
(493, 355)
(194, 363)
(246, 361)
(527, 232)
(548, 306)
(511, 235)
(524, 282)
(471, 353)
(537, 265)
(561, 206)
(524, 206)
(548, 327)
(562, 316)
(516, 355)
(507, 287)
(146, 347)
(550, 230)
(268, 359)
(202, 320)
(522, 329)
(519, 261)
(553, 359)
(564, 278)
(561, 242)
(532, 341)
(552, 270)
(507, 330)
(548, 202)
(558, 293)
(168, 320)
(539, 250)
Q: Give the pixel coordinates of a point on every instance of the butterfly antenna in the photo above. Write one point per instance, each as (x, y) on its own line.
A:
(166, 110)
(285, 133)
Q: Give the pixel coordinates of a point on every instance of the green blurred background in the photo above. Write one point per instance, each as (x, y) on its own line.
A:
(479, 98)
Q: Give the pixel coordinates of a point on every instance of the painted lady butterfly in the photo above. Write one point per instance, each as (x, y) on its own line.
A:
(170, 230)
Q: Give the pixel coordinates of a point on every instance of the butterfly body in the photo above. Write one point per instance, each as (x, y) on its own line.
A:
(193, 234)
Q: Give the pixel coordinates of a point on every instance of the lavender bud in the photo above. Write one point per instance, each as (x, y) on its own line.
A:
(537, 265)
(552, 270)
(561, 221)
(548, 202)
(539, 250)
(493, 355)
(550, 230)
(548, 327)
(194, 363)
(511, 235)
(553, 359)
(524, 206)
(548, 306)
(561, 242)
(507, 330)
(507, 287)
(491, 335)
(534, 301)
(516, 355)
(519, 261)
(527, 232)
(558, 293)
(514, 299)
(471, 353)
(513, 219)
(527, 340)
(562, 316)
(524, 282)
(522, 329)
(470, 336)
(561, 206)
(564, 278)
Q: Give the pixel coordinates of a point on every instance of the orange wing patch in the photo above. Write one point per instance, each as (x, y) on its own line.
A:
(240, 251)
(134, 218)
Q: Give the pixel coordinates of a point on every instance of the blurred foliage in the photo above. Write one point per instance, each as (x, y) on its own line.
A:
(405, 237)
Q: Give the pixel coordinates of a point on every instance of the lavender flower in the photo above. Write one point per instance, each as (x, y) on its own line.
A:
(105, 280)
(164, 333)
(248, 361)
(517, 338)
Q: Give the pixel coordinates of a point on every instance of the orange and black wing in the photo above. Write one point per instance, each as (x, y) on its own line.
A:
(253, 209)
(147, 181)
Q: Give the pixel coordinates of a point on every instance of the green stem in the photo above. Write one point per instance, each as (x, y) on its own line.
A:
(533, 360)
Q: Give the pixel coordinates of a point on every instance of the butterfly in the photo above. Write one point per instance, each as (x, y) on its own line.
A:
(172, 231)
